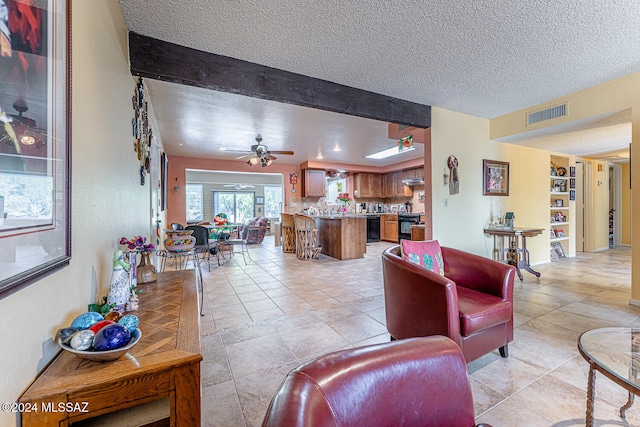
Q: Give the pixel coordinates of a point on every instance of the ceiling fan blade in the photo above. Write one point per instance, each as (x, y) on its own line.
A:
(237, 151)
(246, 155)
(287, 153)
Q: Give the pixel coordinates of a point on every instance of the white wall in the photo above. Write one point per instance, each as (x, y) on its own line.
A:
(107, 199)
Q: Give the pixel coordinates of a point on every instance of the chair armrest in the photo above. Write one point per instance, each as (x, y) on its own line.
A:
(479, 273)
(418, 302)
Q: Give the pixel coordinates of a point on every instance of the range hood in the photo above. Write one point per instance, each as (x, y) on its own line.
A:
(413, 181)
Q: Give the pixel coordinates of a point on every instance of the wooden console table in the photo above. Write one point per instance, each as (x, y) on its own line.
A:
(515, 254)
(164, 363)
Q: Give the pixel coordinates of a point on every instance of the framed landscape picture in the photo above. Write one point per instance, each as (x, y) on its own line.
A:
(495, 180)
(35, 179)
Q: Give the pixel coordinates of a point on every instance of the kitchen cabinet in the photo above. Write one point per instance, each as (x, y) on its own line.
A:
(389, 228)
(367, 185)
(313, 183)
(413, 173)
(393, 186)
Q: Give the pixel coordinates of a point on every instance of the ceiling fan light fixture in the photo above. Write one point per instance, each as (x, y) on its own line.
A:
(265, 161)
(253, 161)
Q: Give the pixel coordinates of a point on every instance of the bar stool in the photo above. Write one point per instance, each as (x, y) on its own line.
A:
(288, 233)
(306, 237)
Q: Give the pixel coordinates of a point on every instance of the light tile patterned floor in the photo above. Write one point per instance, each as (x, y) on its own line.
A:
(265, 318)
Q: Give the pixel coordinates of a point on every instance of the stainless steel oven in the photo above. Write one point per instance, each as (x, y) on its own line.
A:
(405, 221)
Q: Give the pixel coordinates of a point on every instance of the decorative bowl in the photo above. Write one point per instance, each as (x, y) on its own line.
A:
(103, 356)
(179, 241)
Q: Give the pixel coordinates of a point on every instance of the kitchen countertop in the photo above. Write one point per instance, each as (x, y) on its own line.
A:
(340, 216)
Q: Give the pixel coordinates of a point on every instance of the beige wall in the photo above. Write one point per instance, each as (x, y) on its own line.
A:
(616, 95)
(461, 224)
(107, 199)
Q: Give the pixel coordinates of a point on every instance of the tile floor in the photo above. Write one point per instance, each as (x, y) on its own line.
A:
(263, 319)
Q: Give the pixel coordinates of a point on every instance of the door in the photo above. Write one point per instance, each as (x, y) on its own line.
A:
(580, 205)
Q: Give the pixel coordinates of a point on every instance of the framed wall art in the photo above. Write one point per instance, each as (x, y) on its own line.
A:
(35, 179)
(495, 178)
(259, 200)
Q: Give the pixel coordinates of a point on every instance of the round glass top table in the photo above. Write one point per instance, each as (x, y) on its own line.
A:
(615, 353)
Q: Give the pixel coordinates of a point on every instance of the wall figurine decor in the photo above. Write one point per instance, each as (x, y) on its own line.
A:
(142, 133)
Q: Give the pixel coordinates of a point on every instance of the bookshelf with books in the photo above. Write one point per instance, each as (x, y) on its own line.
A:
(562, 195)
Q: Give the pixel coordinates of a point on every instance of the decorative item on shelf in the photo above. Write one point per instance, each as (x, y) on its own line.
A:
(145, 271)
(146, 274)
(343, 199)
(337, 174)
(561, 171)
(553, 171)
(177, 241)
(93, 337)
(508, 219)
(120, 282)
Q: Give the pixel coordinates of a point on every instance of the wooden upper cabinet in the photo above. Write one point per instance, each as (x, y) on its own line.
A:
(376, 185)
(313, 183)
(368, 184)
(414, 173)
(393, 186)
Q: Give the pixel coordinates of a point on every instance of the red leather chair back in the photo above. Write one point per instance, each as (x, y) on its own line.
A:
(412, 382)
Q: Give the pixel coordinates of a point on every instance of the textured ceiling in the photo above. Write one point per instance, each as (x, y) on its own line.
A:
(484, 58)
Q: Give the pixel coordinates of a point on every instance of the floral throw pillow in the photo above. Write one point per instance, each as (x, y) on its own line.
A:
(426, 254)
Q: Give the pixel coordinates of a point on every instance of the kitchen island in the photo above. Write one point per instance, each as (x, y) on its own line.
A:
(342, 237)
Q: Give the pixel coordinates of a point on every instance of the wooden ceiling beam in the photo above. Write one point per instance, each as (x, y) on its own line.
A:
(161, 60)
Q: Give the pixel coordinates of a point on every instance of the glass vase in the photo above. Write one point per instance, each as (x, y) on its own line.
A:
(146, 272)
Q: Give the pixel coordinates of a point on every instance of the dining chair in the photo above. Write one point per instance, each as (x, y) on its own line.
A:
(204, 245)
(240, 239)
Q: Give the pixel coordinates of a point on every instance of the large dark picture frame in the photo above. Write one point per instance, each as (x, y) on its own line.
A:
(495, 178)
(35, 142)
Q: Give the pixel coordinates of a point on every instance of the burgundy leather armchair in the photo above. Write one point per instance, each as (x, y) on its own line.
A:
(472, 304)
(413, 382)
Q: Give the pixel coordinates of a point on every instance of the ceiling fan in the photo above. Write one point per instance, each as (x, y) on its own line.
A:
(239, 186)
(18, 128)
(260, 153)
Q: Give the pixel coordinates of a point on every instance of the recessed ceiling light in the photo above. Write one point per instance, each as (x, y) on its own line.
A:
(388, 153)
(319, 156)
(337, 149)
(222, 149)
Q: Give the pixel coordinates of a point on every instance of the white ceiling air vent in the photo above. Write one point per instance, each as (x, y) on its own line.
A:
(547, 114)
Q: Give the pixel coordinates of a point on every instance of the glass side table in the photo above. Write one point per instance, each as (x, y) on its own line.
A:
(615, 353)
